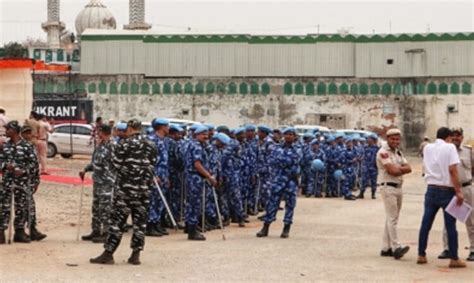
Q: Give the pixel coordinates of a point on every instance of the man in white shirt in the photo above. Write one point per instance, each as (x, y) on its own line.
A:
(440, 160)
(465, 171)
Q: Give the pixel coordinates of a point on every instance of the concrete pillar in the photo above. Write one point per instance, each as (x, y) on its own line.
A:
(53, 26)
(137, 15)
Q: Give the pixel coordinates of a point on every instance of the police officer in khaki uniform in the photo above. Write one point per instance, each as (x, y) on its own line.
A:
(392, 165)
(465, 172)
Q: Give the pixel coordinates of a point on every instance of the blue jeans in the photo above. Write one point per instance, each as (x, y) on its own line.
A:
(435, 199)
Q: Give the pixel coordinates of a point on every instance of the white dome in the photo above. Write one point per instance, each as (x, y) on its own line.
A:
(95, 16)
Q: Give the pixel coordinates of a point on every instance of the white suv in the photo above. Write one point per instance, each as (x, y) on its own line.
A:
(60, 140)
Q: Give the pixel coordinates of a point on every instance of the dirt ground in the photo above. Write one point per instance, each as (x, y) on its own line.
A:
(331, 240)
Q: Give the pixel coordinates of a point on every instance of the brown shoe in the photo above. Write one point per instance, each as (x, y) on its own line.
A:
(422, 260)
(456, 263)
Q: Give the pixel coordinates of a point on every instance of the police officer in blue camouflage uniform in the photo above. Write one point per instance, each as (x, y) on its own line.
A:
(213, 154)
(176, 165)
(220, 141)
(251, 175)
(157, 207)
(305, 146)
(103, 187)
(369, 167)
(231, 173)
(286, 161)
(197, 172)
(315, 178)
(266, 145)
(223, 194)
(348, 160)
(305, 163)
(240, 168)
(332, 155)
(134, 159)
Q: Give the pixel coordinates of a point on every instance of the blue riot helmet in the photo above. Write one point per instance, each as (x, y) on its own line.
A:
(338, 174)
(317, 165)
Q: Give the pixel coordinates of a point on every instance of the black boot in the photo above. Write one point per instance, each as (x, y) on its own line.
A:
(161, 230)
(2, 237)
(99, 240)
(286, 231)
(242, 223)
(105, 258)
(373, 194)
(151, 231)
(21, 237)
(36, 235)
(91, 236)
(194, 235)
(264, 231)
(361, 194)
(134, 258)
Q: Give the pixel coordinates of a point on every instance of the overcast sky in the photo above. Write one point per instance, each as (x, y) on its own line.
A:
(20, 19)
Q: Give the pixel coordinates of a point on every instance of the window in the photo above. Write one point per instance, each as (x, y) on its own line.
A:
(78, 130)
(389, 61)
(62, 130)
(322, 118)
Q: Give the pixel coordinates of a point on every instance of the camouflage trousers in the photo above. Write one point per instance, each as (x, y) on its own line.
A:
(232, 193)
(21, 195)
(102, 195)
(194, 186)
(176, 195)
(124, 204)
(281, 189)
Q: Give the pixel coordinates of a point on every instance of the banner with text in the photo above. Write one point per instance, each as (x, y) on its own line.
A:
(64, 111)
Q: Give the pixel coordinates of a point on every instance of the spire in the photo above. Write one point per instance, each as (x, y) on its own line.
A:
(137, 15)
(53, 26)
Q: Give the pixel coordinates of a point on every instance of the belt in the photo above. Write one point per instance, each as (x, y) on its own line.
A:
(446, 188)
(468, 183)
(391, 184)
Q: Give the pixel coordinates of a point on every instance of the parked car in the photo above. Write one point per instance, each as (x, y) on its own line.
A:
(59, 141)
(302, 129)
(179, 122)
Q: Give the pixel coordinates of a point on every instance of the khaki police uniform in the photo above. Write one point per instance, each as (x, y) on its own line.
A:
(465, 178)
(392, 194)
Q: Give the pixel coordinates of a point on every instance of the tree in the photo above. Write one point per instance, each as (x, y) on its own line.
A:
(34, 42)
(15, 50)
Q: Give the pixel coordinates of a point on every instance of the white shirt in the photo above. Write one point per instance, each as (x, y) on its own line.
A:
(437, 157)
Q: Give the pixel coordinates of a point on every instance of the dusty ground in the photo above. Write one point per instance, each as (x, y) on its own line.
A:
(332, 240)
